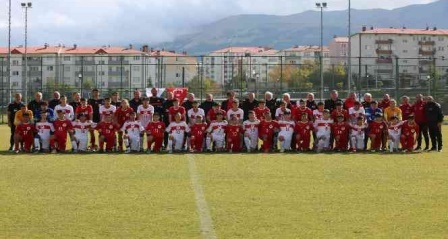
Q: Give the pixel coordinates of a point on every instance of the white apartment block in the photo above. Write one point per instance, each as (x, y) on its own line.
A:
(410, 54)
(103, 67)
(299, 55)
(338, 51)
(254, 62)
(173, 69)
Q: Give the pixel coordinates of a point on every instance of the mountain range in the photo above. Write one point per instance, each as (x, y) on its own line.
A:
(282, 32)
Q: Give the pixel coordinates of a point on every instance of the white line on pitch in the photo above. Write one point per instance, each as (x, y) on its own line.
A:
(207, 228)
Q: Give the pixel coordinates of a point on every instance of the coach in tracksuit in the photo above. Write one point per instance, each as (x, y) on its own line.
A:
(434, 115)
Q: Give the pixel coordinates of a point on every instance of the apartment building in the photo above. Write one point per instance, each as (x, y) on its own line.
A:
(171, 68)
(338, 51)
(411, 55)
(299, 55)
(253, 62)
(99, 67)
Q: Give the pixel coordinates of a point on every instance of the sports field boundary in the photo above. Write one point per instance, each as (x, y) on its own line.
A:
(206, 222)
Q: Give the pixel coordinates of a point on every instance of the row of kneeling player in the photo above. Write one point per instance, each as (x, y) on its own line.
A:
(219, 135)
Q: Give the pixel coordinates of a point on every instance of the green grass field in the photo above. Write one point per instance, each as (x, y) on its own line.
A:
(246, 196)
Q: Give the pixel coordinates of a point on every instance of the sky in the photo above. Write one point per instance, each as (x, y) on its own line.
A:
(108, 22)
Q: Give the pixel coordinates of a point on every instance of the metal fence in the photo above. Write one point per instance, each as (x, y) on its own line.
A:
(219, 74)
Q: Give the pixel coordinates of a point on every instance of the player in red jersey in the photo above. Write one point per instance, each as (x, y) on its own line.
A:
(298, 111)
(176, 108)
(267, 129)
(406, 108)
(303, 130)
(261, 110)
(409, 134)
(107, 130)
(233, 133)
(198, 132)
(155, 133)
(211, 114)
(85, 109)
(24, 134)
(62, 127)
(377, 129)
(340, 131)
(340, 111)
(122, 115)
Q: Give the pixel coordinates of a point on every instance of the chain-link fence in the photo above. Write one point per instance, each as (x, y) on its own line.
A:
(218, 74)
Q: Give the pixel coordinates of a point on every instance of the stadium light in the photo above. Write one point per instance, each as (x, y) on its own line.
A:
(321, 6)
(26, 6)
(349, 55)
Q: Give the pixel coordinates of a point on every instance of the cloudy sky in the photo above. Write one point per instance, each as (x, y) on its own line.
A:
(100, 22)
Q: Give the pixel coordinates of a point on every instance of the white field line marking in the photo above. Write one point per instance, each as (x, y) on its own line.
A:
(207, 228)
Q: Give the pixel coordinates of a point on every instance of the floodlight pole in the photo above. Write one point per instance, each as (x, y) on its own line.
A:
(26, 6)
(321, 6)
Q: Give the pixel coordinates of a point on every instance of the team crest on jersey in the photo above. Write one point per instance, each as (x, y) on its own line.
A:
(412, 130)
(28, 128)
(270, 126)
(111, 127)
(159, 126)
(203, 128)
(343, 128)
(381, 127)
(127, 115)
(177, 127)
(64, 124)
(307, 127)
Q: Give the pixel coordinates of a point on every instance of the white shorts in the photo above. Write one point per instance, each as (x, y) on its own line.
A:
(179, 141)
(45, 142)
(253, 137)
(218, 140)
(82, 142)
(134, 142)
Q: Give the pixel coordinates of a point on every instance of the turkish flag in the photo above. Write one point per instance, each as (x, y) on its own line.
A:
(179, 93)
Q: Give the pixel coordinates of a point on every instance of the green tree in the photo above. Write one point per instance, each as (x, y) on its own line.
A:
(62, 87)
(208, 86)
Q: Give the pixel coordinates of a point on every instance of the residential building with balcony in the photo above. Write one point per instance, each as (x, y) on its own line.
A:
(100, 67)
(339, 51)
(299, 55)
(173, 69)
(388, 54)
(251, 62)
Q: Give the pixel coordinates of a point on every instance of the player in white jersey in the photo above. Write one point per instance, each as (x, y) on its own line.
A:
(279, 112)
(69, 113)
(82, 128)
(107, 109)
(357, 134)
(217, 133)
(132, 130)
(319, 112)
(322, 128)
(394, 132)
(145, 111)
(235, 112)
(251, 132)
(194, 112)
(356, 111)
(176, 131)
(44, 132)
(286, 131)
